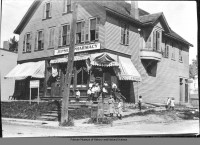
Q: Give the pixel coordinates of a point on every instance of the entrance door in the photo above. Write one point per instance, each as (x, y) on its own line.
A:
(186, 91)
(181, 90)
(124, 87)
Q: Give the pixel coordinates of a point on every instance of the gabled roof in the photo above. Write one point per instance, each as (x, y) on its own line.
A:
(27, 16)
(120, 8)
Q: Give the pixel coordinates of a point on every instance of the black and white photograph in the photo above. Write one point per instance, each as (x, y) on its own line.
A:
(80, 68)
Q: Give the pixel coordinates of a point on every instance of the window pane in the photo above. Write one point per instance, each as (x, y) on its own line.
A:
(78, 29)
(47, 6)
(92, 24)
(65, 30)
(40, 35)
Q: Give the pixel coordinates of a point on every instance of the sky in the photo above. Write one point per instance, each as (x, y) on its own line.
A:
(180, 15)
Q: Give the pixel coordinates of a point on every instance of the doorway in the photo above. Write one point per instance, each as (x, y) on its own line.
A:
(124, 87)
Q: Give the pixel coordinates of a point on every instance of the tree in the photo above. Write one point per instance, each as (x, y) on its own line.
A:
(193, 68)
(13, 44)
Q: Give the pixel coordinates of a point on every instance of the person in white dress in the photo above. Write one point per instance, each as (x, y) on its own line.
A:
(172, 104)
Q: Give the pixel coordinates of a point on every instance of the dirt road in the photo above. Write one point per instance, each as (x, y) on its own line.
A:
(11, 129)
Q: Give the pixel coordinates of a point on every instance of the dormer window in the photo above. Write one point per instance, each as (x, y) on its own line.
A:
(156, 40)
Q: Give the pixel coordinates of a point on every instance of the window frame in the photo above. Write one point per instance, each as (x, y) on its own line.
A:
(67, 6)
(173, 51)
(45, 10)
(81, 33)
(96, 34)
(68, 27)
(51, 38)
(29, 43)
(156, 40)
(180, 54)
(37, 40)
(124, 40)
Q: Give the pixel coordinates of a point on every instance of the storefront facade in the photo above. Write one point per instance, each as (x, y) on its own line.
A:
(136, 50)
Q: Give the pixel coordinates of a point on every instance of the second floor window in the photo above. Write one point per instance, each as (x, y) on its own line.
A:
(94, 29)
(39, 40)
(47, 10)
(180, 54)
(51, 37)
(27, 42)
(64, 35)
(124, 34)
(173, 51)
(156, 40)
(80, 32)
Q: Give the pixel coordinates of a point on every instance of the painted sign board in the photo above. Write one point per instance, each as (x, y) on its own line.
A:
(35, 84)
(80, 48)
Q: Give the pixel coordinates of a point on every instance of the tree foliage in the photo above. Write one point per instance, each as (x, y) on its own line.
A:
(13, 44)
(193, 68)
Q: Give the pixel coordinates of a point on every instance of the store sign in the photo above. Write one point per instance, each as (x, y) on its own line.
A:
(34, 84)
(78, 49)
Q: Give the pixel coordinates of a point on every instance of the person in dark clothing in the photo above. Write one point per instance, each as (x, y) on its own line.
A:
(140, 103)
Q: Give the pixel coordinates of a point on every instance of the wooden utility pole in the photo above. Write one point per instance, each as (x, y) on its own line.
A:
(66, 84)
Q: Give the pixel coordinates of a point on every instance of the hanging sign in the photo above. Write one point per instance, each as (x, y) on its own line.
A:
(78, 49)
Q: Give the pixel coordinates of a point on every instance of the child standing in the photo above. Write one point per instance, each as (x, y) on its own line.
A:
(172, 104)
(120, 109)
(78, 94)
(140, 103)
(111, 102)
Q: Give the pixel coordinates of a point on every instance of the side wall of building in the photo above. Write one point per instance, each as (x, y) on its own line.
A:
(166, 83)
(8, 60)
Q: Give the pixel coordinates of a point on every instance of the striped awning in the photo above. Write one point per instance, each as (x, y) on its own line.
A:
(105, 60)
(22, 71)
(65, 59)
(127, 70)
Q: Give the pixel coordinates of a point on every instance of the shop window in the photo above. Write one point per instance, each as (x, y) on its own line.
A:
(124, 34)
(47, 10)
(80, 32)
(94, 29)
(156, 40)
(67, 6)
(51, 37)
(82, 76)
(39, 40)
(27, 42)
(64, 35)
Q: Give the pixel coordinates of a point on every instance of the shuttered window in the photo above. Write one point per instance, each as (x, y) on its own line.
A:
(27, 42)
(156, 40)
(94, 29)
(39, 40)
(64, 35)
(124, 34)
(173, 51)
(67, 6)
(180, 54)
(80, 29)
(47, 8)
(51, 37)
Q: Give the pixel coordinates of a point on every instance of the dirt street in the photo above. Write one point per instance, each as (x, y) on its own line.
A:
(132, 128)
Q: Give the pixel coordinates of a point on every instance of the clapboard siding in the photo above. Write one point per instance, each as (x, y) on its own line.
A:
(85, 11)
(113, 35)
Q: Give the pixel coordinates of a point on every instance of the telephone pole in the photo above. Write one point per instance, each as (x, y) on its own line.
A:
(66, 83)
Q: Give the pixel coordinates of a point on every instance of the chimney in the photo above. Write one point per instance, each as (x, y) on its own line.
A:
(6, 45)
(134, 10)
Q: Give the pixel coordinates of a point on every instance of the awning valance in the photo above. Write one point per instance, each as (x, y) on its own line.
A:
(22, 71)
(127, 70)
(65, 59)
(104, 59)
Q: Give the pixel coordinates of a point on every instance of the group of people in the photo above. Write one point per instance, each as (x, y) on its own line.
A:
(170, 103)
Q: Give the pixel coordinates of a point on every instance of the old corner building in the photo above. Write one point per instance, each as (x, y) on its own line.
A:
(115, 42)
